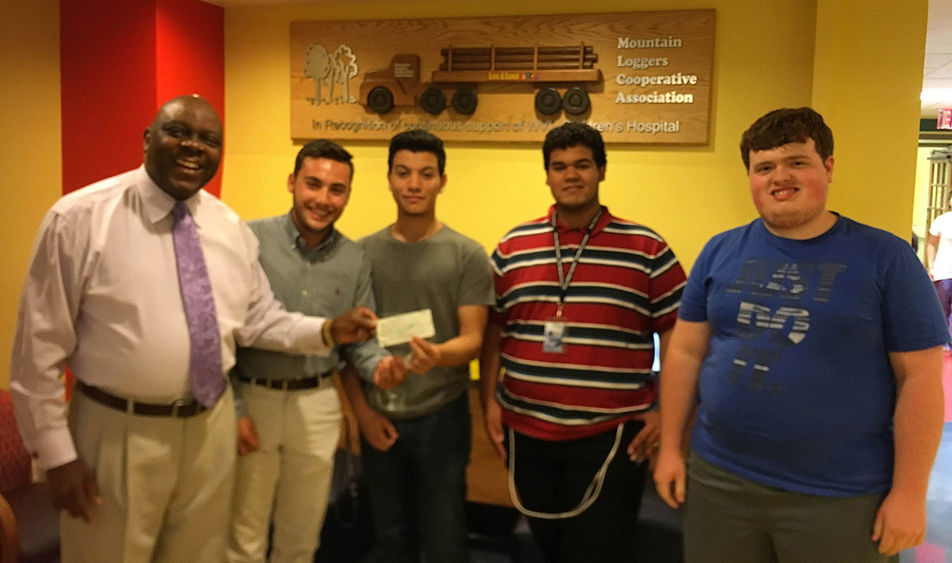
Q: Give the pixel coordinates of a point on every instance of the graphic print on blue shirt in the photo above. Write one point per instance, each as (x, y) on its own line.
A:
(767, 329)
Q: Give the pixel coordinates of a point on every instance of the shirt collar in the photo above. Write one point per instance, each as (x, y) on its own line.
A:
(156, 204)
(599, 225)
(297, 241)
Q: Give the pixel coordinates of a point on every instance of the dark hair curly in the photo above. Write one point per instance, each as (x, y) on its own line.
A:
(788, 125)
(570, 134)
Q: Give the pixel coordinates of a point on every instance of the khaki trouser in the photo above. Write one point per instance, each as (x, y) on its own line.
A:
(289, 476)
(166, 484)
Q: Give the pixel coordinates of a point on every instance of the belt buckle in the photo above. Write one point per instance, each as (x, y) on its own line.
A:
(176, 405)
(284, 384)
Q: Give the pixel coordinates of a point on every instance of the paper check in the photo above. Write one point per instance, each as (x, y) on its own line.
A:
(397, 329)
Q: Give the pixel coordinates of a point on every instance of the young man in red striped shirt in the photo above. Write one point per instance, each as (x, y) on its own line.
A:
(567, 385)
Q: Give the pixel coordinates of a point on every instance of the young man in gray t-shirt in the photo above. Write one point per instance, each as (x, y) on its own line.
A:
(416, 433)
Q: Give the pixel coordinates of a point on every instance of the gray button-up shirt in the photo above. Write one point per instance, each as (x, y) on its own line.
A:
(327, 281)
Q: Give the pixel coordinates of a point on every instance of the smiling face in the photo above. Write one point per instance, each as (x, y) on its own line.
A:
(789, 185)
(320, 191)
(573, 177)
(183, 146)
(415, 181)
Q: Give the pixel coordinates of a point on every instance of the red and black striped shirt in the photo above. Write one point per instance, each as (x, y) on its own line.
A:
(626, 287)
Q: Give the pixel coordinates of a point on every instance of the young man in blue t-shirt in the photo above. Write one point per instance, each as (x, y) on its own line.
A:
(811, 346)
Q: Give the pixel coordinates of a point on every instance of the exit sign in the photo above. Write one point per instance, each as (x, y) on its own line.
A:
(945, 119)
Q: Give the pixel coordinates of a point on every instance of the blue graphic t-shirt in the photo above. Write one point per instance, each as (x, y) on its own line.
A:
(796, 389)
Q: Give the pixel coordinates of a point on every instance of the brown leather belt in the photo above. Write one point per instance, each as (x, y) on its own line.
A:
(287, 384)
(179, 409)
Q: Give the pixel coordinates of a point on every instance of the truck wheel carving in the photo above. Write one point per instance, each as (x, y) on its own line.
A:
(380, 99)
(575, 101)
(464, 100)
(433, 100)
(548, 101)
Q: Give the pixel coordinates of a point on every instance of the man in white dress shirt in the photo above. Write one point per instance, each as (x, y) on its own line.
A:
(142, 469)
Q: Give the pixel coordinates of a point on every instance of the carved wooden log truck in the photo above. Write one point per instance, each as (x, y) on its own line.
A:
(465, 67)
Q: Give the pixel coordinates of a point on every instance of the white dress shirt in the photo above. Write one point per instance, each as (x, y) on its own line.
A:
(102, 296)
(942, 263)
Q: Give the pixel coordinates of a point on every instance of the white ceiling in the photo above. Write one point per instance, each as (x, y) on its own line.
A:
(937, 67)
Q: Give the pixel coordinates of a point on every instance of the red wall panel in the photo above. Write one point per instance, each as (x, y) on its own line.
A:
(107, 70)
(119, 61)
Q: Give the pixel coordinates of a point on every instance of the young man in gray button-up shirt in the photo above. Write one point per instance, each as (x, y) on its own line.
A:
(289, 412)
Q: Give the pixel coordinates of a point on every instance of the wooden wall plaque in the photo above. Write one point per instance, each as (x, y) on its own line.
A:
(639, 77)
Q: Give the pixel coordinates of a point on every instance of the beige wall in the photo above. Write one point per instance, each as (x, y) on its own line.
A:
(30, 144)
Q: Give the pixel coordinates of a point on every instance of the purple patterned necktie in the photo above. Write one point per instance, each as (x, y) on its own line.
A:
(204, 367)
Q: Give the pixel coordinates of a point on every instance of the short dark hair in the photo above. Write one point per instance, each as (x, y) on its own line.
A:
(573, 133)
(322, 148)
(787, 125)
(417, 140)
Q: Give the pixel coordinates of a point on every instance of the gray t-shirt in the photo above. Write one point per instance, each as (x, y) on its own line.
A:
(442, 273)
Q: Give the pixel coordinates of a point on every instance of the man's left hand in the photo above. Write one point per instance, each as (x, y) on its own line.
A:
(492, 418)
(247, 436)
(356, 325)
(900, 523)
(645, 443)
(390, 372)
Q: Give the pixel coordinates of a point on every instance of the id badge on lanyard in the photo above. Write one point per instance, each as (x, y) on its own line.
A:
(555, 329)
(553, 334)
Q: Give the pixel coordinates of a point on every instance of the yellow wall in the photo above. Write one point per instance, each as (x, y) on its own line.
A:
(30, 144)
(685, 193)
(920, 205)
(865, 78)
(867, 81)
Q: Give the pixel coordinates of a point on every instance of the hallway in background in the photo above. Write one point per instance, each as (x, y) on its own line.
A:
(938, 545)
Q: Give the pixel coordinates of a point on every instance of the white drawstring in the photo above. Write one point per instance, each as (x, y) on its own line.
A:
(590, 495)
